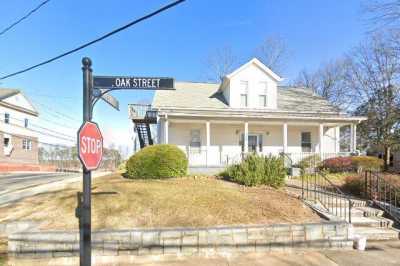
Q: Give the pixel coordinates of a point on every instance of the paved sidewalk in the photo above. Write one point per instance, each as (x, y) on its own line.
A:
(377, 254)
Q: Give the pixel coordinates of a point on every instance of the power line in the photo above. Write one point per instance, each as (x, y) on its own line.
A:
(162, 9)
(41, 127)
(57, 112)
(24, 17)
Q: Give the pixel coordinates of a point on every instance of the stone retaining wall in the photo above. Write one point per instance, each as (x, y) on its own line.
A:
(186, 241)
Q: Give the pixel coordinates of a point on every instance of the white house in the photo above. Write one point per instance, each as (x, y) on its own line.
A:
(19, 142)
(215, 124)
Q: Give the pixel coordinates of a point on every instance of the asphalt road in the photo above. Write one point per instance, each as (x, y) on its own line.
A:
(13, 182)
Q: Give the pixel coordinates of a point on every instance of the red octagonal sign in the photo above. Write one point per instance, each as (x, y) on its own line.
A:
(90, 145)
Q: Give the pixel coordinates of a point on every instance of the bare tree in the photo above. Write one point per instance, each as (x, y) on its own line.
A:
(273, 52)
(219, 63)
(328, 81)
(373, 75)
(384, 13)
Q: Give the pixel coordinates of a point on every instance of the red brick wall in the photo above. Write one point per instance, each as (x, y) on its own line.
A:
(19, 155)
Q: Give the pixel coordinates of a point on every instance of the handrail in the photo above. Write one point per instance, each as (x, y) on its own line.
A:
(383, 193)
(285, 155)
(319, 188)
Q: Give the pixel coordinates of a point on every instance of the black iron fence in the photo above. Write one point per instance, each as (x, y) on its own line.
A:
(383, 193)
(318, 188)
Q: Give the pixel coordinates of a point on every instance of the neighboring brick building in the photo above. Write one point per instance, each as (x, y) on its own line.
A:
(19, 142)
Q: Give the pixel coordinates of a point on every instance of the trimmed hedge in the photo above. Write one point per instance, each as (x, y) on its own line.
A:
(257, 170)
(338, 164)
(367, 163)
(352, 164)
(157, 161)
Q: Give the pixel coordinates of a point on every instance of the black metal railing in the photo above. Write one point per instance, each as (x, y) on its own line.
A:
(383, 193)
(318, 188)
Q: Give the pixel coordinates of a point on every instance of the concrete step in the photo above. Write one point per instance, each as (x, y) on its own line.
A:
(372, 233)
(371, 212)
(378, 222)
(344, 203)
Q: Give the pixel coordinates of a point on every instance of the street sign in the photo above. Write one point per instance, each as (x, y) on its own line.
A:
(133, 83)
(90, 145)
(111, 100)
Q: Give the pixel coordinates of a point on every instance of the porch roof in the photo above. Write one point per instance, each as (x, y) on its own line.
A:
(204, 99)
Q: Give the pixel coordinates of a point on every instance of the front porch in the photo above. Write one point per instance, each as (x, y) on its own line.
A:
(216, 143)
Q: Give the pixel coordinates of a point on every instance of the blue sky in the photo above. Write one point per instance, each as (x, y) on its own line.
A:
(175, 43)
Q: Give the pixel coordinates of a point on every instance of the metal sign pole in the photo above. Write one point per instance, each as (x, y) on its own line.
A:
(85, 213)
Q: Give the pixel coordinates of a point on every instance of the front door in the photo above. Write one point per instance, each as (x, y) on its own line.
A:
(253, 142)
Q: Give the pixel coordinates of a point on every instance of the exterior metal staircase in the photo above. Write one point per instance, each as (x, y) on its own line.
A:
(143, 116)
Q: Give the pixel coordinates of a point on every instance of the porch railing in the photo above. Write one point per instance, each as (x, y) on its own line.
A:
(142, 112)
(383, 193)
(318, 188)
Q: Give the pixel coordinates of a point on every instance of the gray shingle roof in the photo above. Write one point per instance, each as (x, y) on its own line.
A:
(6, 93)
(206, 95)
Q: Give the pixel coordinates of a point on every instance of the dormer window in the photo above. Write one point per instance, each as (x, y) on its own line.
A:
(262, 97)
(244, 88)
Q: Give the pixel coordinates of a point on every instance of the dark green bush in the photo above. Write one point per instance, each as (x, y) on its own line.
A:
(157, 161)
(257, 170)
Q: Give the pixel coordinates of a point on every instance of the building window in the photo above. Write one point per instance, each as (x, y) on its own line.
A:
(7, 118)
(195, 140)
(263, 92)
(27, 144)
(306, 141)
(26, 122)
(262, 100)
(244, 85)
(6, 142)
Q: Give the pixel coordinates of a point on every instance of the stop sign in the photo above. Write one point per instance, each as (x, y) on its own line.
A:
(90, 145)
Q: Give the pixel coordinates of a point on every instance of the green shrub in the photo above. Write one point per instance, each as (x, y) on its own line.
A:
(310, 161)
(257, 170)
(367, 163)
(157, 161)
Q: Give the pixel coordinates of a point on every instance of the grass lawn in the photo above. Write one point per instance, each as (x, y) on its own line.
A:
(121, 203)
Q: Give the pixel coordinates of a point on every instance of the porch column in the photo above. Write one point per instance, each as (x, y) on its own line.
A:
(246, 137)
(353, 138)
(337, 139)
(166, 126)
(207, 141)
(321, 140)
(285, 149)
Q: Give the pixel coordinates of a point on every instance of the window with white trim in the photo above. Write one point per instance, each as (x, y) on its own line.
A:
(7, 118)
(244, 90)
(305, 141)
(195, 139)
(262, 96)
(27, 144)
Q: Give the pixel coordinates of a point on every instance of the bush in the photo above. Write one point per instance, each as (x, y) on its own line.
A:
(353, 185)
(367, 163)
(157, 161)
(257, 170)
(338, 164)
(310, 161)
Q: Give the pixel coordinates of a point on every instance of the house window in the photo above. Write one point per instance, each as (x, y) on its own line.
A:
(7, 118)
(6, 142)
(244, 85)
(26, 122)
(262, 97)
(306, 141)
(27, 144)
(195, 140)
(262, 100)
